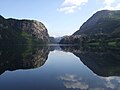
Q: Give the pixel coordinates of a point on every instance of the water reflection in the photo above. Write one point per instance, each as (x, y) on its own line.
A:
(22, 57)
(101, 60)
(74, 82)
(64, 70)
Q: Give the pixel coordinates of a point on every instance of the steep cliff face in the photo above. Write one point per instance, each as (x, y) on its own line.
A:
(22, 31)
(104, 21)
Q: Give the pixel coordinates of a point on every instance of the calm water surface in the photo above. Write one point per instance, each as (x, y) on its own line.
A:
(55, 68)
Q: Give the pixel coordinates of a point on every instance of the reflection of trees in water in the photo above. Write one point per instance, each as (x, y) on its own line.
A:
(22, 57)
(101, 60)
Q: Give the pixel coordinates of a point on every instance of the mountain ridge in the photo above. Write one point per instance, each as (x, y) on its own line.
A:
(98, 20)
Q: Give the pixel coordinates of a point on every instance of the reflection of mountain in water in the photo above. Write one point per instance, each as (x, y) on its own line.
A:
(22, 57)
(102, 61)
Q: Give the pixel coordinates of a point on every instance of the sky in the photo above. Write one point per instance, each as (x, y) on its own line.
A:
(61, 17)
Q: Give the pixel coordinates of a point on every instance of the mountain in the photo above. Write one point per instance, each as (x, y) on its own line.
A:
(54, 40)
(102, 28)
(105, 21)
(76, 39)
(13, 31)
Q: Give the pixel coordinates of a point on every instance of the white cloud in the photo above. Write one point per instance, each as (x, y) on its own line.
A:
(68, 9)
(75, 82)
(110, 82)
(69, 6)
(71, 81)
(111, 4)
(68, 77)
(76, 85)
(108, 2)
(74, 2)
(118, 6)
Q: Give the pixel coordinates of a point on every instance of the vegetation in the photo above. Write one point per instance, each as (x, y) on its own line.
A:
(13, 31)
(102, 29)
(17, 37)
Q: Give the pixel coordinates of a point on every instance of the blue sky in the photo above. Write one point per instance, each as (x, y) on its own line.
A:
(61, 17)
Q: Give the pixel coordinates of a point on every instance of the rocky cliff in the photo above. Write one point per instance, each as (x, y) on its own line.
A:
(15, 31)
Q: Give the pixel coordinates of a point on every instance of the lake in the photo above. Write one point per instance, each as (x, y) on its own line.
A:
(55, 67)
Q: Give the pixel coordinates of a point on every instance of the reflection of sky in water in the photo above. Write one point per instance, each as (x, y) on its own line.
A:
(71, 81)
(61, 71)
(78, 76)
(76, 82)
(112, 82)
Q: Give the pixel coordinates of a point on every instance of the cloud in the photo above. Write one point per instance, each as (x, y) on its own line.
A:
(70, 6)
(71, 81)
(108, 2)
(75, 82)
(111, 4)
(110, 82)
(76, 85)
(68, 9)
(68, 77)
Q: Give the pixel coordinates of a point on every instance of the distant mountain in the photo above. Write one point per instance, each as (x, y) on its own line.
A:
(105, 21)
(55, 40)
(13, 31)
(76, 39)
(52, 40)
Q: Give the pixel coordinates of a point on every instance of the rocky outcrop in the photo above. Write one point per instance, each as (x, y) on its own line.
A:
(22, 31)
